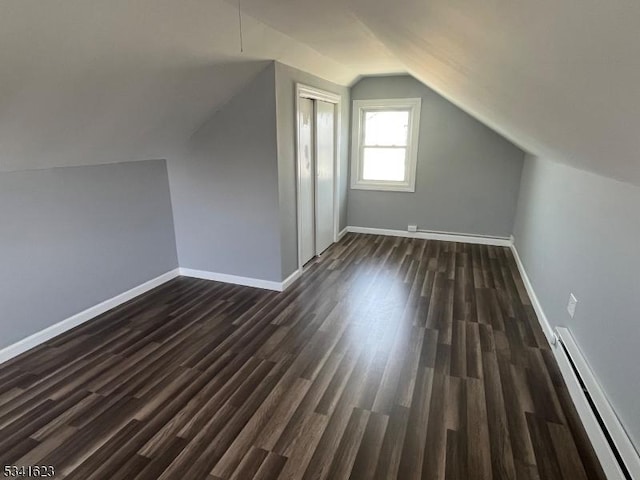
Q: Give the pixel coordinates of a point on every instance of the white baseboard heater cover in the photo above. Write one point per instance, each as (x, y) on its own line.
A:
(616, 453)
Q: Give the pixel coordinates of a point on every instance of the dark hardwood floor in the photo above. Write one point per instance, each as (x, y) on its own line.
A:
(390, 358)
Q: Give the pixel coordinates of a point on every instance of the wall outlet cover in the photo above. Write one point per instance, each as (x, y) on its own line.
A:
(412, 228)
(571, 307)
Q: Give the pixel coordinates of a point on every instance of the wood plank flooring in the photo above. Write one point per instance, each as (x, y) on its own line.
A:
(390, 358)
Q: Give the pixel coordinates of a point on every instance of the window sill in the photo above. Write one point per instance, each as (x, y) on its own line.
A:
(383, 188)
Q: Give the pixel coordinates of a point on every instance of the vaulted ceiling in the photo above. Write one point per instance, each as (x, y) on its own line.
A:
(560, 79)
(98, 81)
(89, 81)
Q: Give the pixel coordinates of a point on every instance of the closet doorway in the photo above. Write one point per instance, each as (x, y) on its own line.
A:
(317, 120)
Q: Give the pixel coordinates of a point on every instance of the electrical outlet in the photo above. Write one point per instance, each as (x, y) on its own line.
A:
(571, 307)
(412, 228)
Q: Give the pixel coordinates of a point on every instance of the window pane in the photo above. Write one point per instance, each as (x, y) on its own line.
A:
(386, 128)
(384, 164)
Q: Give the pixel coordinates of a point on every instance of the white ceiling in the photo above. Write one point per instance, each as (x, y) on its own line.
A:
(91, 81)
(560, 79)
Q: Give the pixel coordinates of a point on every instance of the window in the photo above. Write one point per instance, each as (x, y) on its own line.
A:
(385, 144)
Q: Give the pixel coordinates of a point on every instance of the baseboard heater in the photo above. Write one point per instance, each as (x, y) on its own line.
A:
(614, 448)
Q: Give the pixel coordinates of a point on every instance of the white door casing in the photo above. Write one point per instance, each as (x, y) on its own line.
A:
(303, 93)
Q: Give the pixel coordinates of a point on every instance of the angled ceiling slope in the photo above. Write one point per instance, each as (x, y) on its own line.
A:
(89, 81)
(560, 79)
(86, 81)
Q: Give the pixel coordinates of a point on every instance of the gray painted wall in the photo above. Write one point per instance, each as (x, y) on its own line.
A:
(73, 237)
(224, 188)
(467, 179)
(578, 232)
(94, 82)
(286, 79)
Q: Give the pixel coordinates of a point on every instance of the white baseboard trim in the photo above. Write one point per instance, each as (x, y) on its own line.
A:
(433, 235)
(54, 330)
(344, 231)
(48, 333)
(587, 416)
(235, 279)
(537, 306)
(290, 279)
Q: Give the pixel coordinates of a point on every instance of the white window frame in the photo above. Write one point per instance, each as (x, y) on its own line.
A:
(357, 142)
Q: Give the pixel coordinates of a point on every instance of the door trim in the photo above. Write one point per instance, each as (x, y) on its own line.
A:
(306, 91)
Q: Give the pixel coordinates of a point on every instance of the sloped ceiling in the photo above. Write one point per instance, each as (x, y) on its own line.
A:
(89, 81)
(560, 79)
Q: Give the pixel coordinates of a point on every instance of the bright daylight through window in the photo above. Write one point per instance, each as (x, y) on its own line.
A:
(385, 144)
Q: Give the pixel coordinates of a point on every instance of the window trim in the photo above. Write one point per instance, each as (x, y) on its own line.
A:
(357, 144)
